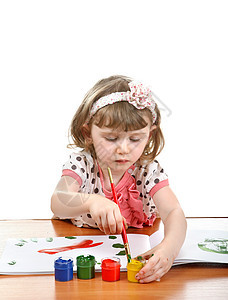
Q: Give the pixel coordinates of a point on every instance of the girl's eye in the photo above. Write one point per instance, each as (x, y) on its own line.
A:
(135, 139)
(111, 139)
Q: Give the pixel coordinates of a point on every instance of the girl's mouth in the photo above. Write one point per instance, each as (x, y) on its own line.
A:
(122, 161)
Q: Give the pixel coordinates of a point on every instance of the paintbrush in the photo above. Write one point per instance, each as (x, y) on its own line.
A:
(123, 233)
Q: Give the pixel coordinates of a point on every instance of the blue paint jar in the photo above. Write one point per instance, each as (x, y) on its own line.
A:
(63, 269)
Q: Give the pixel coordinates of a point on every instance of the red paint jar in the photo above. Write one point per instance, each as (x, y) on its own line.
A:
(110, 268)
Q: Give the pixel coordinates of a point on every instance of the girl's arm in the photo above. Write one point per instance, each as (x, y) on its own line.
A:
(67, 203)
(175, 226)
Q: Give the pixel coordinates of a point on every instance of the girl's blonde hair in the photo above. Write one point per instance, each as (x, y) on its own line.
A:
(120, 115)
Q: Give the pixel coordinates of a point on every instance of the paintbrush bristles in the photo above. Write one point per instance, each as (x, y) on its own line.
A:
(110, 175)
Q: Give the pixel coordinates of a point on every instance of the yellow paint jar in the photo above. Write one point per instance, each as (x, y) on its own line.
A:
(133, 267)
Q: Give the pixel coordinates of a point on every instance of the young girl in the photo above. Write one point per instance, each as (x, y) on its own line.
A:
(118, 126)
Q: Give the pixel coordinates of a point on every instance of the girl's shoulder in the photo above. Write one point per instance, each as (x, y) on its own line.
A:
(81, 157)
(147, 168)
(147, 175)
(79, 161)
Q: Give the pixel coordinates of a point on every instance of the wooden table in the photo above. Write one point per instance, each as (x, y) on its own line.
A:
(192, 281)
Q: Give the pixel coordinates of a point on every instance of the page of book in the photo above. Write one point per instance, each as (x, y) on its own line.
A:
(199, 246)
(37, 255)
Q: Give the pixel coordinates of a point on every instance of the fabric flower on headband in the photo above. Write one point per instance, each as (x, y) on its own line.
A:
(139, 96)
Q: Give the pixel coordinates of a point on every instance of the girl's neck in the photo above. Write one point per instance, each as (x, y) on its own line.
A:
(115, 176)
(116, 179)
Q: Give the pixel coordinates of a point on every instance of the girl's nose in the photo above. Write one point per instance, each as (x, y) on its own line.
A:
(123, 147)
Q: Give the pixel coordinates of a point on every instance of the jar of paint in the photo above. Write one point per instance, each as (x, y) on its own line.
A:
(110, 268)
(133, 267)
(86, 267)
(63, 268)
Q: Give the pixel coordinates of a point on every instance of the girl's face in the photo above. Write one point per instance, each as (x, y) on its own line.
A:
(119, 149)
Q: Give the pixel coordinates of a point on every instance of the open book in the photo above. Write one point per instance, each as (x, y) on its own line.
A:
(37, 255)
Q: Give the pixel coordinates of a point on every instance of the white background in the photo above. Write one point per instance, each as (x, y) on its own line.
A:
(52, 52)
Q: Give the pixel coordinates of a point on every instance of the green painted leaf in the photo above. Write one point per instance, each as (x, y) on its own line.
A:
(35, 240)
(20, 244)
(112, 237)
(121, 253)
(23, 241)
(216, 245)
(210, 250)
(50, 239)
(118, 245)
(13, 262)
(70, 237)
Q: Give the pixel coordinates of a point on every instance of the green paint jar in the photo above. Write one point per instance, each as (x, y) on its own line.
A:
(85, 266)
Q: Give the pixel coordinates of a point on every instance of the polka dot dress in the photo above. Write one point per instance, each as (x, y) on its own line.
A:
(146, 180)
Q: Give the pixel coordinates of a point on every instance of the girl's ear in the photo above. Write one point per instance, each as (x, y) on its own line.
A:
(86, 132)
(153, 127)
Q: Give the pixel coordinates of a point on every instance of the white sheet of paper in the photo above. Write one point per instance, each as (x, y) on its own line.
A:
(30, 261)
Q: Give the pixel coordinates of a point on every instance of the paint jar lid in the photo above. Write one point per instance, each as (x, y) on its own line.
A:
(86, 261)
(64, 263)
(134, 265)
(110, 262)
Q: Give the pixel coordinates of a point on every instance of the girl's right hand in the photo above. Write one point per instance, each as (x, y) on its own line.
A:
(106, 214)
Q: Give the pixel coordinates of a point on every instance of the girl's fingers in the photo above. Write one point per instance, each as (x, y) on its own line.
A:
(105, 225)
(147, 255)
(99, 225)
(152, 264)
(151, 267)
(119, 221)
(153, 277)
(125, 223)
(109, 223)
(110, 220)
(112, 225)
(152, 272)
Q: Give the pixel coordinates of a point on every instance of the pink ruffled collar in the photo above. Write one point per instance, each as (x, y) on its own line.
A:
(131, 205)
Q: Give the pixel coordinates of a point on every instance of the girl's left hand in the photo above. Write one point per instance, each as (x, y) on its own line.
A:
(159, 262)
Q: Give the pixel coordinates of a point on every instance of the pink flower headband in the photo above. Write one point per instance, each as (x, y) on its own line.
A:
(139, 96)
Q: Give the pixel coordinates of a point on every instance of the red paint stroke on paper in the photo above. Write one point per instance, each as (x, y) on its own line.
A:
(82, 244)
